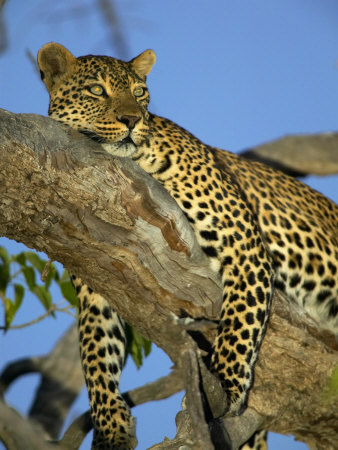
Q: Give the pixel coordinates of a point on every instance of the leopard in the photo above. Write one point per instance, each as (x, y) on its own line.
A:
(260, 229)
(258, 441)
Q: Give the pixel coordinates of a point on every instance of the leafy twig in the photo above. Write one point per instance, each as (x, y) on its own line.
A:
(53, 308)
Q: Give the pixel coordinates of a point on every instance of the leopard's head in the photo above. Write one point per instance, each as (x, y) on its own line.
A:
(103, 97)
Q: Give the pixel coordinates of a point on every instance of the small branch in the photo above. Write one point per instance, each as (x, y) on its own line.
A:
(110, 16)
(76, 432)
(55, 307)
(46, 270)
(160, 389)
(32, 60)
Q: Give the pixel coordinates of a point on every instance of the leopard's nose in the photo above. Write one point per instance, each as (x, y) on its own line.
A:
(129, 120)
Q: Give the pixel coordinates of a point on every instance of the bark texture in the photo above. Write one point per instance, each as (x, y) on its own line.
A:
(113, 225)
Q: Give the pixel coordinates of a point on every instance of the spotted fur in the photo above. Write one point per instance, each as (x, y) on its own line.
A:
(102, 351)
(260, 228)
(258, 441)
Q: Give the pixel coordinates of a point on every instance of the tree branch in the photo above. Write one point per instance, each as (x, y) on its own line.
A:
(113, 22)
(53, 307)
(113, 225)
(17, 433)
(160, 389)
(299, 155)
(61, 382)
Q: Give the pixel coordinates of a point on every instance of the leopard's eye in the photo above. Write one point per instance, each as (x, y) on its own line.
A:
(96, 89)
(139, 91)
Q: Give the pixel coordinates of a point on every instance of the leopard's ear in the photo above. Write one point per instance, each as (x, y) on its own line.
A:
(54, 60)
(143, 63)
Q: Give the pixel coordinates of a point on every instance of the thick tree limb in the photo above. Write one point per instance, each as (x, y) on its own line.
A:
(17, 433)
(302, 155)
(61, 382)
(17, 369)
(114, 226)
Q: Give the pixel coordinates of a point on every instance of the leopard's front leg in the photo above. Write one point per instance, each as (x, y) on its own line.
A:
(248, 279)
(102, 349)
(227, 229)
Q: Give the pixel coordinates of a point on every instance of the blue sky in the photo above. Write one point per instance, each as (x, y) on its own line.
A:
(235, 74)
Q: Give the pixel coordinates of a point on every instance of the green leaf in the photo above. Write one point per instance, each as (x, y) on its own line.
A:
(4, 255)
(68, 292)
(137, 345)
(4, 270)
(20, 258)
(52, 275)
(9, 311)
(4, 277)
(29, 275)
(36, 261)
(49, 277)
(43, 295)
(146, 347)
(65, 276)
(55, 272)
(19, 292)
(11, 307)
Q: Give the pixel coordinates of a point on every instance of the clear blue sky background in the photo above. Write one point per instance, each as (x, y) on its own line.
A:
(234, 73)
